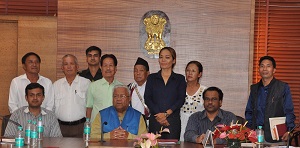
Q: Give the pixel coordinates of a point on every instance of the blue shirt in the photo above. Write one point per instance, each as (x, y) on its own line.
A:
(261, 103)
(160, 97)
(262, 97)
(199, 123)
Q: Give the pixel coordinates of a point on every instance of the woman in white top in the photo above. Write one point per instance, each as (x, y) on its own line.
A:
(193, 100)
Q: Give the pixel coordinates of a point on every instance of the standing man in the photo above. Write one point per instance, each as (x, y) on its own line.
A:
(207, 119)
(93, 54)
(31, 64)
(269, 98)
(99, 94)
(34, 96)
(140, 72)
(70, 98)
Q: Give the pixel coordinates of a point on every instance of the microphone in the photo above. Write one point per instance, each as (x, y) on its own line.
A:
(288, 140)
(9, 120)
(102, 133)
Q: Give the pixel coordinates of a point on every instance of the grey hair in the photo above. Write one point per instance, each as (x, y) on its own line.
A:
(122, 86)
(69, 55)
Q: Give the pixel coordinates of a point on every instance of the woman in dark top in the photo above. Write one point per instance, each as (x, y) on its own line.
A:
(164, 95)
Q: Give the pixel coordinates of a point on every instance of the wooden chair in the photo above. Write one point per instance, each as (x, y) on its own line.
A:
(240, 120)
(294, 140)
(5, 120)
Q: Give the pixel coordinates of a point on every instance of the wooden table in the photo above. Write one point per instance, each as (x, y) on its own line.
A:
(79, 143)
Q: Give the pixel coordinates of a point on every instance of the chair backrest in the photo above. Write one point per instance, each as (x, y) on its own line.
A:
(4, 124)
(240, 120)
(294, 140)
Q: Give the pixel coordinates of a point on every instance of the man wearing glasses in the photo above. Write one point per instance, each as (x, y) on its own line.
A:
(207, 119)
(119, 121)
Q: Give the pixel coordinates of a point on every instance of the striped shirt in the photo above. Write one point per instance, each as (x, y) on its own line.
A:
(22, 115)
(199, 123)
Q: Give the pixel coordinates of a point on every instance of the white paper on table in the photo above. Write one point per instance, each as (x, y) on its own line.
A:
(166, 143)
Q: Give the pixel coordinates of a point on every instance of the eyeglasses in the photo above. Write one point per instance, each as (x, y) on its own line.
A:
(120, 96)
(210, 99)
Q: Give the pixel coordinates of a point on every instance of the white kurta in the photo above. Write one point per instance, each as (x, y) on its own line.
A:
(135, 101)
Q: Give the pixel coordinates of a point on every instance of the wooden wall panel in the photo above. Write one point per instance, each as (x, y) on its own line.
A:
(8, 56)
(19, 35)
(216, 33)
(39, 35)
(22, 34)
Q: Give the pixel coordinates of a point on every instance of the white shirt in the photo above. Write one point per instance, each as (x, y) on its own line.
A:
(70, 100)
(17, 98)
(135, 101)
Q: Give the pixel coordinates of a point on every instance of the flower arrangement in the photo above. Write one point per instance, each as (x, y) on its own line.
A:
(149, 140)
(235, 131)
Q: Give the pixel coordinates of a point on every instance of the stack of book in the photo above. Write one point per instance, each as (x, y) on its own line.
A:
(278, 127)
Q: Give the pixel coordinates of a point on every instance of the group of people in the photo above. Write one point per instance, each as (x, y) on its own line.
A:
(151, 103)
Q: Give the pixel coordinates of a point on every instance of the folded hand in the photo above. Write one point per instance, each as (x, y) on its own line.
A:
(119, 133)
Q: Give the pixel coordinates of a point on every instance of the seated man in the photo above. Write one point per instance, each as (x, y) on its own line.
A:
(35, 97)
(119, 121)
(207, 119)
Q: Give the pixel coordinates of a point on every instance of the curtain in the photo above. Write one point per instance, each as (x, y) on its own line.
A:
(277, 34)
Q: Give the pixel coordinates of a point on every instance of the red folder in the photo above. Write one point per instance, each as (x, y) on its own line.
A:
(281, 128)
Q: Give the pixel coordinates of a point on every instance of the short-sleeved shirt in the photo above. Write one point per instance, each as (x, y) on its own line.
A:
(99, 95)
